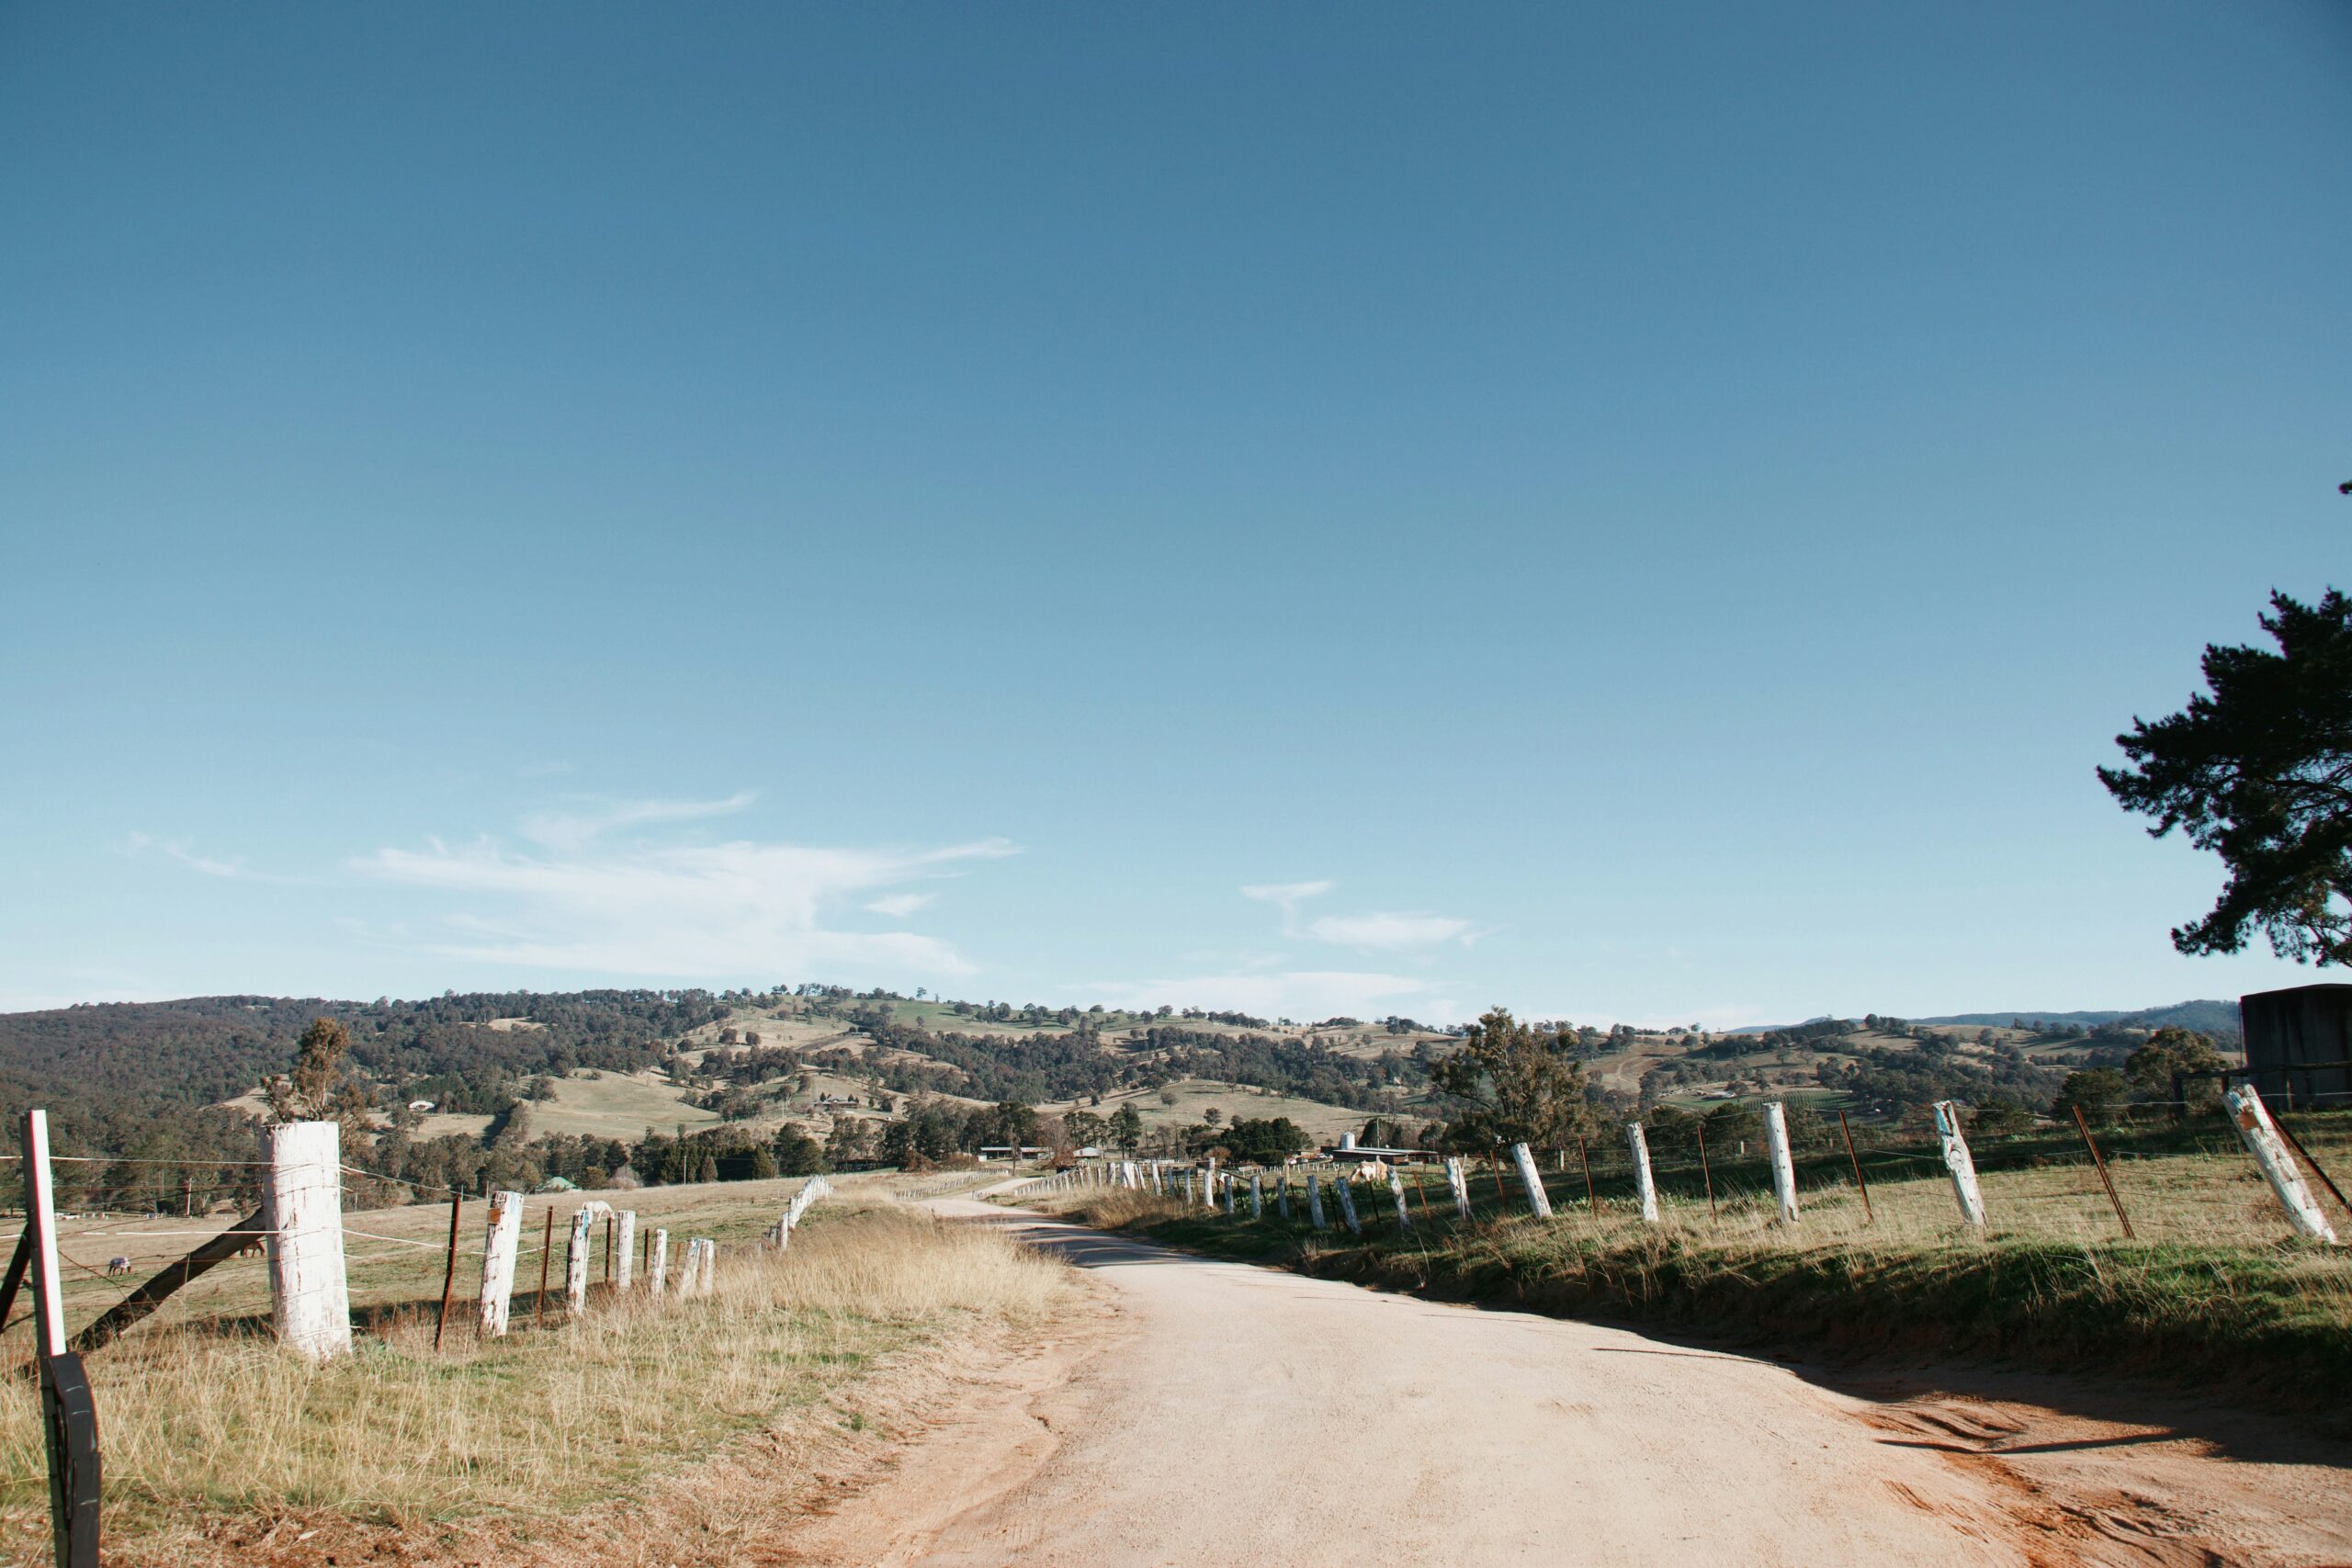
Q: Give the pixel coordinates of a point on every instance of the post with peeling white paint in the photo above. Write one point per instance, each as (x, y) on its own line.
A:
(499, 1246)
(1208, 1185)
(1457, 1178)
(625, 1263)
(657, 1268)
(1645, 1184)
(1396, 1187)
(2278, 1167)
(1257, 1195)
(309, 1298)
(1537, 1199)
(1960, 1163)
(1232, 1193)
(44, 1272)
(1344, 1190)
(1314, 1199)
(1784, 1170)
(575, 1265)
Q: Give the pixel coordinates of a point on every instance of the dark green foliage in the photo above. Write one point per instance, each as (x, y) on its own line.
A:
(2258, 768)
(2098, 1092)
(1515, 1084)
(2149, 1069)
(798, 1153)
(116, 1074)
(1255, 1142)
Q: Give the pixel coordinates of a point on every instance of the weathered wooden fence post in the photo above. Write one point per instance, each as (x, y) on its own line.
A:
(1645, 1184)
(1962, 1165)
(499, 1245)
(1281, 1194)
(1537, 1199)
(1344, 1190)
(622, 1280)
(69, 1411)
(1397, 1189)
(575, 1265)
(1257, 1195)
(1314, 1199)
(1784, 1170)
(1457, 1177)
(657, 1267)
(309, 1299)
(2279, 1168)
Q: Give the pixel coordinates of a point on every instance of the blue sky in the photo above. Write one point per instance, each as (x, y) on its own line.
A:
(1644, 513)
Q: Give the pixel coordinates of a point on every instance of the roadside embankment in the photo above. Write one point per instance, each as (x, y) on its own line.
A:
(642, 1431)
(2264, 1314)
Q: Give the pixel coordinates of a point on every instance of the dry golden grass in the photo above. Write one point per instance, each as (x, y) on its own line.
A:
(207, 1425)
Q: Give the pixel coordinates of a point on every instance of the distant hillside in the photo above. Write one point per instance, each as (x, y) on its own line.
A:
(116, 1074)
(2217, 1018)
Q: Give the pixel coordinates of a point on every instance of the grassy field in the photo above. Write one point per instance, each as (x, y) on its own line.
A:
(616, 1105)
(215, 1439)
(2214, 1286)
(1193, 1097)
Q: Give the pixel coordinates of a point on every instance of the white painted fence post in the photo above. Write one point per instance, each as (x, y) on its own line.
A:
(1458, 1179)
(1537, 1199)
(1232, 1193)
(309, 1299)
(1257, 1195)
(657, 1268)
(2278, 1167)
(1645, 1184)
(624, 1266)
(1314, 1199)
(1344, 1190)
(575, 1265)
(1784, 1170)
(1397, 1186)
(1208, 1185)
(499, 1245)
(45, 1274)
(1959, 1162)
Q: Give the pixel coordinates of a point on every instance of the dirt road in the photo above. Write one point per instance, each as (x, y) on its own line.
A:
(1231, 1412)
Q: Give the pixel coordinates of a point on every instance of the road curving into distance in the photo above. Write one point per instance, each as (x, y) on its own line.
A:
(1238, 1414)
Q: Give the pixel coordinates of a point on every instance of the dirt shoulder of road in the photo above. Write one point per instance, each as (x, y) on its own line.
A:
(2085, 1468)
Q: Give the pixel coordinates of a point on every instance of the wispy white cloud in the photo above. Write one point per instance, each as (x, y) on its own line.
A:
(234, 870)
(899, 906)
(574, 902)
(1378, 932)
(133, 845)
(1286, 893)
(576, 829)
(1287, 897)
(1390, 932)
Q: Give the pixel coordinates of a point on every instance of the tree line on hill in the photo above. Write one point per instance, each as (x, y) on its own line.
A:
(126, 1077)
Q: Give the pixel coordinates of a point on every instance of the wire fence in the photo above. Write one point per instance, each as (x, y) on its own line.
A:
(2195, 1177)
